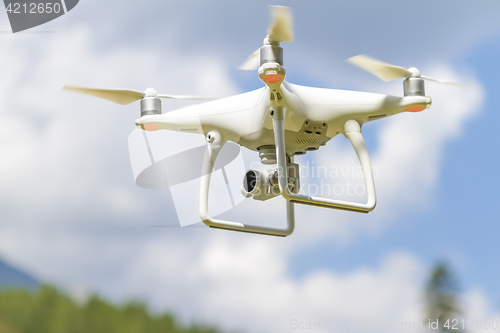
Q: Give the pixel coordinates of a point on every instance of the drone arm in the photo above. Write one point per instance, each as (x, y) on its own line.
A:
(353, 133)
(214, 145)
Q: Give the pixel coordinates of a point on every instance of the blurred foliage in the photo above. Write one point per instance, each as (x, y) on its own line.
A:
(49, 311)
(442, 296)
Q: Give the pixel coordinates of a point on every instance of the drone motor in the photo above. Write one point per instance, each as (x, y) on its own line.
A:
(271, 52)
(151, 103)
(414, 85)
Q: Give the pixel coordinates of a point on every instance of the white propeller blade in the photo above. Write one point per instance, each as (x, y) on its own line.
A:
(446, 82)
(279, 31)
(187, 97)
(120, 96)
(252, 63)
(378, 68)
(281, 26)
(126, 96)
(389, 72)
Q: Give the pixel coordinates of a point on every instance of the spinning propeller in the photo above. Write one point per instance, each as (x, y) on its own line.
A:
(279, 31)
(388, 72)
(158, 165)
(127, 96)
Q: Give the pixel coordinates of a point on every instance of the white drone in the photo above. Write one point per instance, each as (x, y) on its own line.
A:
(279, 121)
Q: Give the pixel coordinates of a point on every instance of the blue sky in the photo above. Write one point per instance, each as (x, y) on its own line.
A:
(461, 225)
(72, 214)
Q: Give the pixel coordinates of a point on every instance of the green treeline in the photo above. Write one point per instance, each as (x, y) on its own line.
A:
(49, 311)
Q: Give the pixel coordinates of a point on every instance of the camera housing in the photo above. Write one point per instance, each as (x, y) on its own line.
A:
(263, 184)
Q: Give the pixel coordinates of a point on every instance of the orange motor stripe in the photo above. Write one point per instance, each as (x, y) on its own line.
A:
(415, 108)
(272, 78)
(150, 127)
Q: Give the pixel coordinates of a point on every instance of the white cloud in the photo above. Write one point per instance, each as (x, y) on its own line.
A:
(407, 158)
(245, 283)
(413, 146)
(71, 213)
(65, 172)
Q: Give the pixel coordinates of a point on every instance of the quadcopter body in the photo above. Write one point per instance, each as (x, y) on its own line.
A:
(313, 117)
(279, 121)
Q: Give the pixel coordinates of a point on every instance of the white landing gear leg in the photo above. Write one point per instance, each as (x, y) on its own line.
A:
(353, 133)
(214, 145)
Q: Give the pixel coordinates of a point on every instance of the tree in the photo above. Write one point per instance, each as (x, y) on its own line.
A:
(48, 310)
(442, 297)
